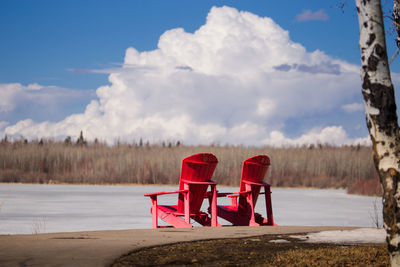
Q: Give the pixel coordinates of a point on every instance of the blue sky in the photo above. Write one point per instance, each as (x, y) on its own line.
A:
(43, 40)
(56, 54)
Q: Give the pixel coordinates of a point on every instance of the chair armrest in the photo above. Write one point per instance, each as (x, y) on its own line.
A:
(193, 182)
(164, 193)
(254, 183)
(223, 194)
(236, 194)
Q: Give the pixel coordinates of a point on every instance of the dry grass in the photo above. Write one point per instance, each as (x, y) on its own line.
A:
(65, 162)
(257, 251)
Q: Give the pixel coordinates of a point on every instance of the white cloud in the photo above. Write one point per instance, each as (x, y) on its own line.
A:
(3, 125)
(333, 135)
(17, 100)
(13, 94)
(225, 83)
(308, 15)
(266, 107)
(354, 107)
(8, 92)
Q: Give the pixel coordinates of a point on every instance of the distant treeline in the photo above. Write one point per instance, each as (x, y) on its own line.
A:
(48, 161)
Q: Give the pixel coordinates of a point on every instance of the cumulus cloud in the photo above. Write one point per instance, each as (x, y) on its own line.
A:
(308, 15)
(237, 79)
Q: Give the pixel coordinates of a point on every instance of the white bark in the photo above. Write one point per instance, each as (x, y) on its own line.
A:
(380, 111)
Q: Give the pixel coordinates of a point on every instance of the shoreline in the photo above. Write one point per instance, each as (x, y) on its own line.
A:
(133, 184)
(172, 185)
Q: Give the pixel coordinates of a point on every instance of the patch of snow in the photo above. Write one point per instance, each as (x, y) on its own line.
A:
(300, 237)
(357, 236)
(280, 241)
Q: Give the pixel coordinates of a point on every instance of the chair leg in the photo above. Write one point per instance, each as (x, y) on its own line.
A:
(234, 202)
(154, 211)
(187, 203)
(214, 221)
(252, 221)
(268, 205)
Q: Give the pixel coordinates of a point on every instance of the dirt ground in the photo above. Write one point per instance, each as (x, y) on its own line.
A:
(267, 250)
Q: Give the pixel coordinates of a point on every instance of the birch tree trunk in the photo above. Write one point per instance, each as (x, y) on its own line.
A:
(380, 111)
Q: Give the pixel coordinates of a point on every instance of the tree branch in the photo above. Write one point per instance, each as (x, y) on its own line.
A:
(394, 56)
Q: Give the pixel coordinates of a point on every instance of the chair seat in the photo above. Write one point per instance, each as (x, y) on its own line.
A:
(172, 209)
(168, 208)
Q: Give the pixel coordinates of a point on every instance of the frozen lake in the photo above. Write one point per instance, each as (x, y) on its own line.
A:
(27, 209)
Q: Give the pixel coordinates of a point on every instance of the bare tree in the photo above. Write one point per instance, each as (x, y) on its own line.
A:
(380, 110)
(396, 24)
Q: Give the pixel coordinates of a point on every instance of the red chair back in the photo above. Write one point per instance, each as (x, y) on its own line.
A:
(253, 170)
(196, 168)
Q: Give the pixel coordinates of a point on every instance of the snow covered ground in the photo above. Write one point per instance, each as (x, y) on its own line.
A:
(27, 209)
(362, 235)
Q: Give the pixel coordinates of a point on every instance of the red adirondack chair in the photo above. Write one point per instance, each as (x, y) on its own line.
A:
(242, 213)
(196, 174)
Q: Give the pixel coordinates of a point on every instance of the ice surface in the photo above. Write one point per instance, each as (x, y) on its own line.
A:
(27, 209)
